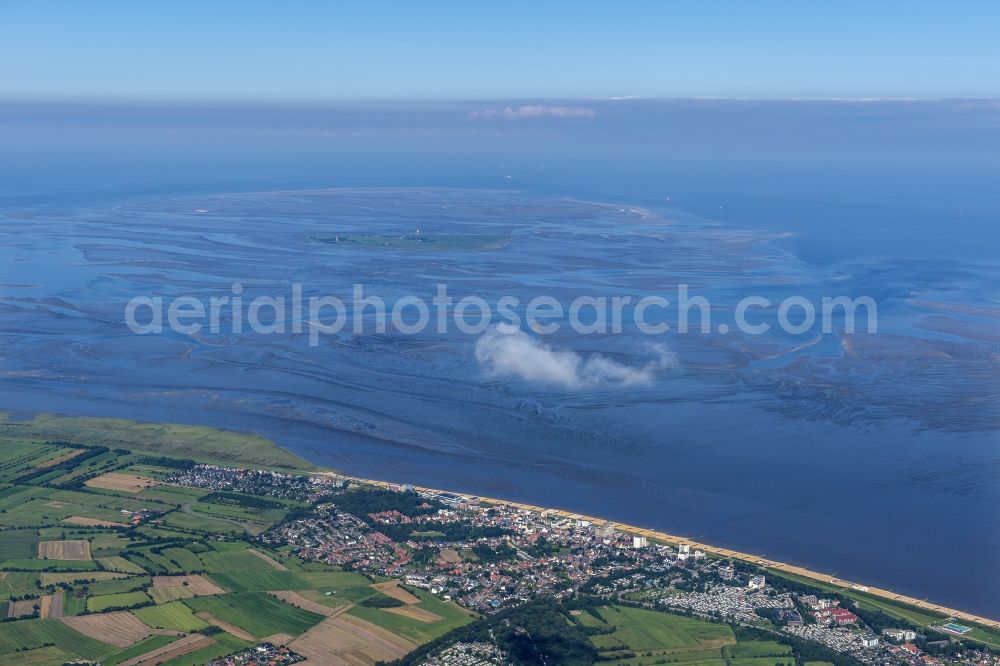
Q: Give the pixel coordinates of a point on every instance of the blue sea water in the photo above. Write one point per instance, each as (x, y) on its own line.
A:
(875, 458)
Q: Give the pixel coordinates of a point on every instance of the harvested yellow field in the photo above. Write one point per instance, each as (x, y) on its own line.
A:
(45, 609)
(77, 549)
(119, 628)
(450, 556)
(128, 483)
(23, 607)
(296, 599)
(92, 522)
(197, 585)
(165, 653)
(58, 459)
(414, 613)
(392, 589)
(117, 563)
(55, 609)
(350, 641)
(267, 558)
(278, 639)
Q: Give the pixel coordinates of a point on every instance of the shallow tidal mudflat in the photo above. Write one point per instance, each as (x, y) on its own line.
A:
(873, 456)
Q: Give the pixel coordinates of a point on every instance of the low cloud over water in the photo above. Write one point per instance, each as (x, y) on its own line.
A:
(505, 351)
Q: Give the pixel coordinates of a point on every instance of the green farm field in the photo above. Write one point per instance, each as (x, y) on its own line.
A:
(224, 644)
(452, 616)
(27, 634)
(641, 630)
(122, 600)
(18, 544)
(752, 649)
(142, 647)
(173, 615)
(258, 613)
(270, 579)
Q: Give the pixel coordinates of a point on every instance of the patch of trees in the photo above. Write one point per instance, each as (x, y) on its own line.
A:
(878, 620)
(382, 601)
(539, 632)
(69, 445)
(592, 606)
(65, 465)
(227, 498)
(159, 542)
(299, 514)
(363, 502)
(609, 580)
(112, 609)
(489, 555)
(586, 602)
(788, 585)
(445, 531)
(48, 569)
(31, 616)
(424, 555)
(803, 650)
(772, 614)
(542, 548)
(950, 648)
(162, 461)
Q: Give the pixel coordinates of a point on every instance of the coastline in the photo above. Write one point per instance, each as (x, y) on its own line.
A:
(673, 539)
(189, 441)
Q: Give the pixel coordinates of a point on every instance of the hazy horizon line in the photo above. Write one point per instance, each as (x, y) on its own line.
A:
(18, 98)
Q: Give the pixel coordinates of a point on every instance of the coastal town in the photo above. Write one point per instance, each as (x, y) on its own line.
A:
(142, 556)
(488, 556)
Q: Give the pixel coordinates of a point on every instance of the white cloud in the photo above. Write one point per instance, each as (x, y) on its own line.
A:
(509, 352)
(533, 111)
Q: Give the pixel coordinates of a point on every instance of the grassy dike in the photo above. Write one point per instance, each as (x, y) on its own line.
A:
(200, 443)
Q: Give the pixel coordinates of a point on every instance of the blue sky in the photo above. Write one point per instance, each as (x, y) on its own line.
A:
(462, 50)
